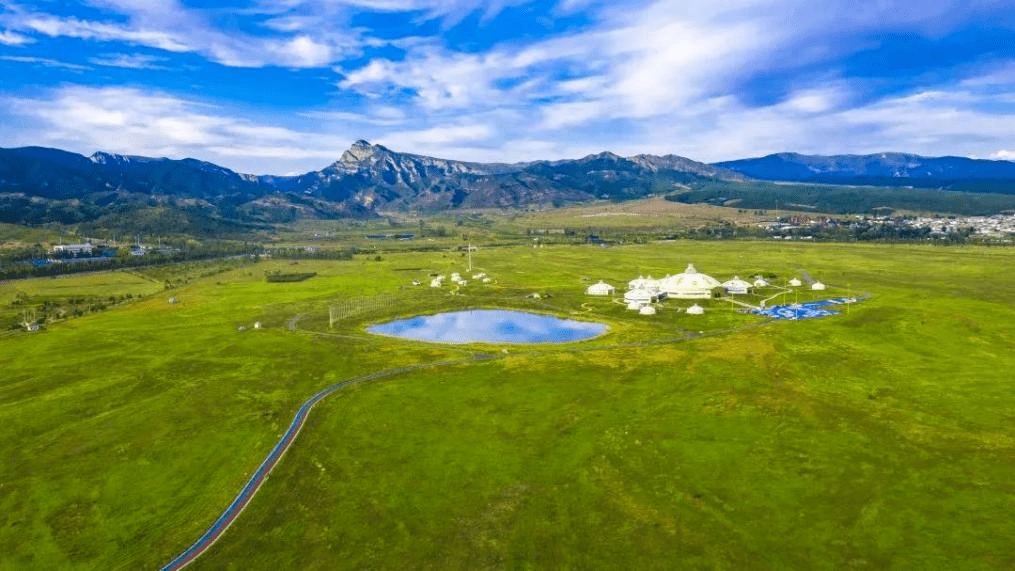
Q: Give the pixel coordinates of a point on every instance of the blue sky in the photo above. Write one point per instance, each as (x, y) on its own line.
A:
(284, 86)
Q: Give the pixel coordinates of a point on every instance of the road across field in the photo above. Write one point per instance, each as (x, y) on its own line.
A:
(261, 474)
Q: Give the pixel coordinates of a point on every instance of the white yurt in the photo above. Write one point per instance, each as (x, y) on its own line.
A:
(760, 282)
(689, 285)
(647, 310)
(634, 305)
(642, 295)
(736, 286)
(817, 286)
(795, 282)
(601, 288)
(637, 283)
(696, 310)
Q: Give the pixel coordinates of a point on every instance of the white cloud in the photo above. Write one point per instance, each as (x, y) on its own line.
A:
(133, 121)
(47, 62)
(172, 27)
(1003, 155)
(9, 38)
(130, 61)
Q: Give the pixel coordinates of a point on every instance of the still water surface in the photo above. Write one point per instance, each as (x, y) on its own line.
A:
(490, 326)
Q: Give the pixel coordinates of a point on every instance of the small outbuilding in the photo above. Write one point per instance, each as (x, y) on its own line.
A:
(736, 286)
(696, 310)
(760, 282)
(634, 305)
(795, 282)
(647, 310)
(644, 295)
(601, 288)
(817, 286)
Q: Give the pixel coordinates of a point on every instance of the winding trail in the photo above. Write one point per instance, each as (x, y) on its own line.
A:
(255, 482)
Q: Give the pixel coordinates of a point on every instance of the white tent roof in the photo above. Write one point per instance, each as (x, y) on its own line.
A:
(601, 288)
(647, 310)
(736, 283)
(696, 310)
(689, 284)
(817, 285)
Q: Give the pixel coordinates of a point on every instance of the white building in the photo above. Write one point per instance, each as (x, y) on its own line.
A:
(696, 310)
(634, 305)
(736, 286)
(795, 282)
(691, 284)
(817, 286)
(601, 288)
(643, 296)
(647, 310)
(72, 249)
(760, 282)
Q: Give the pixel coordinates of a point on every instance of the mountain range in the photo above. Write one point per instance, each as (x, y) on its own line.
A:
(39, 185)
(882, 169)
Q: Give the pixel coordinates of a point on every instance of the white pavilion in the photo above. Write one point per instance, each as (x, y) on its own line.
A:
(817, 286)
(795, 282)
(601, 288)
(736, 286)
(696, 310)
(691, 284)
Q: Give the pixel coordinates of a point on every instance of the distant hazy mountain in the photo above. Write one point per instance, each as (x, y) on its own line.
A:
(885, 169)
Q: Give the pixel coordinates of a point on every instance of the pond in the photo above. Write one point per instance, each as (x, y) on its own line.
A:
(490, 326)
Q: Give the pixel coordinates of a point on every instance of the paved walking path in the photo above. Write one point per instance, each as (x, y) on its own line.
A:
(261, 474)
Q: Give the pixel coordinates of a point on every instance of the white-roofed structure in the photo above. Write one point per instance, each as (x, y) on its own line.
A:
(736, 286)
(634, 305)
(795, 282)
(637, 283)
(644, 295)
(696, 310)
(601, 288)
(647, 310)
(691, 284)
(437, 282)
(817, 286)
(760, 282)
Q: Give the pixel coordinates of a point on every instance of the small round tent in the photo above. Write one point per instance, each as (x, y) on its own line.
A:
(601, 288)
(736, 286)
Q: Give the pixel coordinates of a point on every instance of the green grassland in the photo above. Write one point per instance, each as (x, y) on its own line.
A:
(876, 439)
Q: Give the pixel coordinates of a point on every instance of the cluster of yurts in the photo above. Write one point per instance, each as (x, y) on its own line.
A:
(691, 284)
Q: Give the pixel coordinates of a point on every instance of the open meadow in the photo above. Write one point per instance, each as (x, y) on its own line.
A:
(880, 438)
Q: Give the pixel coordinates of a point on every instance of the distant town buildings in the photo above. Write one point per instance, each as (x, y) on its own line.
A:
(73, 249)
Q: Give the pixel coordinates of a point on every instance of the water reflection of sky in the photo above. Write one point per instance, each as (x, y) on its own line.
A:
(490, 326)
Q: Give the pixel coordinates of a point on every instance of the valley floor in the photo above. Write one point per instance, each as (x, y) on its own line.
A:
(875, 439)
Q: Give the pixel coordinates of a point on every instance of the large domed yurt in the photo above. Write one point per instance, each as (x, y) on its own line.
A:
(691, 284)
(736, 286)
(696, 310)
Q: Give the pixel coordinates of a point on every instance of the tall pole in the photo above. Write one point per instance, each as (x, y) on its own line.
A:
(470, 255)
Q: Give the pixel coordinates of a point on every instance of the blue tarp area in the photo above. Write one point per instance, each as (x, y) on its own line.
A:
(810, 310)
